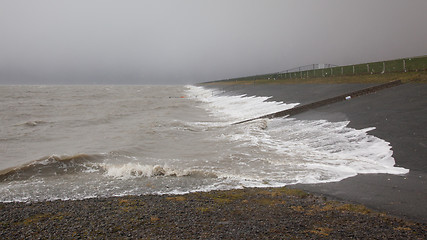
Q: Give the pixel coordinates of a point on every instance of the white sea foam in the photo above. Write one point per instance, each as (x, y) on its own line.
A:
(232, 108)
(140, 140)
(302, 151)
(130, 170)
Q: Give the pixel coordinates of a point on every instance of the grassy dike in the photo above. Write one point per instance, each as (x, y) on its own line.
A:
(415, 77)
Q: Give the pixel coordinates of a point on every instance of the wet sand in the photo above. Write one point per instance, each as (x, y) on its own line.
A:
(399, 115)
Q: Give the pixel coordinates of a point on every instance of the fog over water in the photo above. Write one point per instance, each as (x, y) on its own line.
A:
(189, 41)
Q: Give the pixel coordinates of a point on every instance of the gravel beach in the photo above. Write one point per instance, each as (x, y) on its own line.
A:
(264, 213)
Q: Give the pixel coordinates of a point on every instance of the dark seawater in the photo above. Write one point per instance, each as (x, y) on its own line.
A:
(75, 142)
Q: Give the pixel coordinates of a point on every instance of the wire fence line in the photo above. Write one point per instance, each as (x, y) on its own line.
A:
(309, 67)
(327, 70)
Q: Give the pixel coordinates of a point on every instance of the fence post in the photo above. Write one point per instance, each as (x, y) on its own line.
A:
(353, 70)
(404, 65)
(383, 68)
(367, 66)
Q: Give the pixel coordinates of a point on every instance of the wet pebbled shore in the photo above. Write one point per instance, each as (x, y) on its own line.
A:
(263, 213)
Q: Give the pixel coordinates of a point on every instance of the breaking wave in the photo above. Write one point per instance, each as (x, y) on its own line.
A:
(164, 145)
(133, 170)
(52, 166)
(94, 164)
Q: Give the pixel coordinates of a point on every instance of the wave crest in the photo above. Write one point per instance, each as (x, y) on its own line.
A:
(135, 170)
(97, 163)
(51, 165)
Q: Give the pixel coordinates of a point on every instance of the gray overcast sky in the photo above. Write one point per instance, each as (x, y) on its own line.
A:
(189, 41)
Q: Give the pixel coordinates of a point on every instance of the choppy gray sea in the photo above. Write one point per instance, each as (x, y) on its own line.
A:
(74, 142)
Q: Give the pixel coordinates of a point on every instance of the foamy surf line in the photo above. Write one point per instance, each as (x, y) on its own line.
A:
(232, 108)
(208, 153)
(369, 153)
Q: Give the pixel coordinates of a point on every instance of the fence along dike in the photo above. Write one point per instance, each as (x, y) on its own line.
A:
(391, 66)
(413, 64)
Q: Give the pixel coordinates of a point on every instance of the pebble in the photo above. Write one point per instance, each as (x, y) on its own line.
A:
(235, 214)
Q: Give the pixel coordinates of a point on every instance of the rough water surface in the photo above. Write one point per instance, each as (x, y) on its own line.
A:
(77, 142)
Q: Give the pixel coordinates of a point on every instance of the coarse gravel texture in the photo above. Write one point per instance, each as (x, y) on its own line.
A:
(251, 213)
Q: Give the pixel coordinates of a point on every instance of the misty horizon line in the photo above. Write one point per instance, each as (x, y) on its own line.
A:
(83, 79)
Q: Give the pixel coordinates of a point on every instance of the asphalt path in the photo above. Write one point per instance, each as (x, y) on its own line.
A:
(399, 115)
